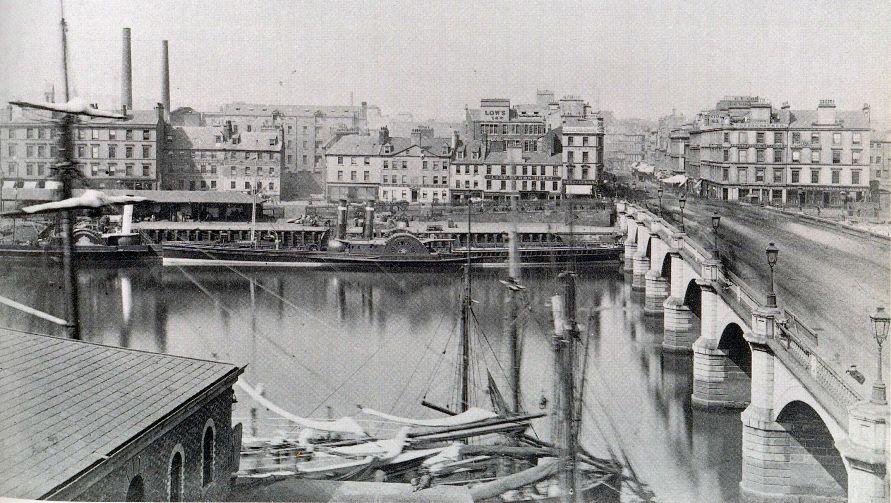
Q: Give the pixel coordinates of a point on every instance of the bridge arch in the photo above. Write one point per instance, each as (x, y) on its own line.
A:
(693, 298)
(737, 364)
(665, 270)
(815, 466)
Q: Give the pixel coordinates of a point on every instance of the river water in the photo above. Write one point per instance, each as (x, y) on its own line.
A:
(321, 342)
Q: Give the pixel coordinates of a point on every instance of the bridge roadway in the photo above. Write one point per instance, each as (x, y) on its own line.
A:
(832, 281)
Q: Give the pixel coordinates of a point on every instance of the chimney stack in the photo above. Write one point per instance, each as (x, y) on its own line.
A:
(165, 80)
(368, 229)
(342, 217)
(126, 74)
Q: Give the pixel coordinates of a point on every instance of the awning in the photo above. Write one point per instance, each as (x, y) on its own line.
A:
(578, 189)
(675, 180)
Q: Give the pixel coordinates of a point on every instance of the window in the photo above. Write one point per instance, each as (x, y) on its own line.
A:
(247, 171)
(423, 164)
(386, 178)
(247, 185)
(760, 155)
(759, 137)
(836, 157)
(778, 137)
(232, 185)
(94, 151)
(726, 155)
(584, 140)
(856, 139)
(29, 133)
(836, 176)
(366, 161)
(569, 141)
(743, 156)
(128, 134)
(147, 151)
(759, 175)
(796, 156)
(855, 157)
(146, 170)
(41, 169)
(815, 176)
(836, 138)
(726, 137)
(112, 134)
(796, 137)
(352, 160)
(435, 180)
(271, 186)
(112, 151)
(272, 170)
(29, 169)
(569, 156)
(11, 149)
(815, 156)
(777, 176)
(128, 152)
(584, 157)
(855, 177)
(743, 137)
(41, 151)
(175, 476)
(352, 176)
(94, 169)
(213, 184)
(146, 134)
(366, 176)
(340, 175)
(742, 175)
(725, 174)
(795, 176)
(404, 164)
(29, 150)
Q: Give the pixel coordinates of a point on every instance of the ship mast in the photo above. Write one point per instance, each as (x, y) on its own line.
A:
(566, 333)
(465, 326)
(512, 311)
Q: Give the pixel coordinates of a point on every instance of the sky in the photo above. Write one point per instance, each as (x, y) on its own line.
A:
(430, 58)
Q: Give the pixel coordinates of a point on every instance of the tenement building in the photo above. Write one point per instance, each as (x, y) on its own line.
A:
(746, 149)
(114, 154)
(385, 168)
(567, 161)
(221, 159)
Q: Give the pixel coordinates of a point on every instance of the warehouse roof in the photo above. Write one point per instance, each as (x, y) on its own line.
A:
(69, 405)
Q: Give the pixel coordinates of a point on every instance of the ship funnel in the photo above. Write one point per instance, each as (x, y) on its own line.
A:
(368, 230)
(341, 219)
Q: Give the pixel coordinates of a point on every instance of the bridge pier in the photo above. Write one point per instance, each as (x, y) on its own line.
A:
(709, 374)
(677, 317)
(628, 257)
(639, 267)
(866, 452)
(656, 292)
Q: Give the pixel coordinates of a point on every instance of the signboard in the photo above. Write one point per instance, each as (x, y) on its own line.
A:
(496, 114)
(523, 177)
(580, 189)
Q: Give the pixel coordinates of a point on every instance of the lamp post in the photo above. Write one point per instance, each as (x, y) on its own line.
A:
(880, 323)
(682, 202)
(634, 191)
(659, 193)
(772, 253)
(716, 222)
(844, 197)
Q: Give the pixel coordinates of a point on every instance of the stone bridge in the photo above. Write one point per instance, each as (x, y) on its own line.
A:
(807, 435)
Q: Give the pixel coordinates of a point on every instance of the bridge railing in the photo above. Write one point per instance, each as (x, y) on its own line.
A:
(795, 341)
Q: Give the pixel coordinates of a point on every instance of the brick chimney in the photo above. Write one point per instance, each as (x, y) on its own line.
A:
(383, 136)
(826, 112)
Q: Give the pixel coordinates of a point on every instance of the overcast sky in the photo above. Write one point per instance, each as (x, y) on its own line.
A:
(639, 59)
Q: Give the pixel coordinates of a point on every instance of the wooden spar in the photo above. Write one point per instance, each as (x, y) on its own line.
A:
(512, 312)
(505, 450)
(465, 326)
(565, 334)
(497, 487)
(30, 310)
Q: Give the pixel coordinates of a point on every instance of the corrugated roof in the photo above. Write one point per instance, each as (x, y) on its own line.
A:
(67, 404)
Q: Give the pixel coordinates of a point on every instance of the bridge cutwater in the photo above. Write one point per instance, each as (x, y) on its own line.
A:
(809, 434)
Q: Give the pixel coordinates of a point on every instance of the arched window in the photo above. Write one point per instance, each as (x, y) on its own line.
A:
(136, 491)
(176, 477)
(207, 456)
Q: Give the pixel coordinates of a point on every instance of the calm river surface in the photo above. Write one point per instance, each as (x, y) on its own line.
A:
(321, 342)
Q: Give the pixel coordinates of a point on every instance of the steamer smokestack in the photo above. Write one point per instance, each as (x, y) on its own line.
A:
(165, 79)
(126, 73)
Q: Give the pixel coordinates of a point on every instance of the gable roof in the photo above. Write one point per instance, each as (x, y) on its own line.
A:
(362, 145)
(68, 404)
(205, 138)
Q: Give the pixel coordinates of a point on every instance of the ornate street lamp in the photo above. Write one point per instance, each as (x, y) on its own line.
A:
(716, 222)
(772, 253)
(659, 194)
(880, 323)
(682, 202)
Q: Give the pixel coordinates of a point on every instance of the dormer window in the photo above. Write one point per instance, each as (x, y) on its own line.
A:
(388, 149)
(445, 149)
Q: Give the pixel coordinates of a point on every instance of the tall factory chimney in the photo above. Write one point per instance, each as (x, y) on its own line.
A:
(126, 74)
(165, 80)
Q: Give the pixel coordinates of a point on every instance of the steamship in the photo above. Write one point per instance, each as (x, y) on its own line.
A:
(398, 249)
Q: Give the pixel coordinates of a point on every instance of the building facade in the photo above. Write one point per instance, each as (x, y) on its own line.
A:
(221, 159)
(114, 154)
(748, 150)
(385, 168)
(678, 145)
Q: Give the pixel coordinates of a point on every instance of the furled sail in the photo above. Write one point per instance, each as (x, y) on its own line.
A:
(472, 415)
(381, 449)
(342, 425)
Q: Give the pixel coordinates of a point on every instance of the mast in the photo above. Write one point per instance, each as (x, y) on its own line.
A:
(66, 166)
(566, 332)
(512, 311)
(465, 326)
(254, 207)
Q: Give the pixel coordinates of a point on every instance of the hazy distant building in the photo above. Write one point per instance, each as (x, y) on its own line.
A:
(623, 146)
(388, 168)
(678, 144)
(746, 149)
(109, 153)
(221, 159)
(880, 165)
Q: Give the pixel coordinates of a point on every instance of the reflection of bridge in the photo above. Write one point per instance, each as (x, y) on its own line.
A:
(807, 433)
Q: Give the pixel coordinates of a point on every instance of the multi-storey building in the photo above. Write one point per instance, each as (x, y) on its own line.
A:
(880, 158)
(220, 159)
(110, 153)
(678, 143)
(623, 146)
(567, 161)
(747, 150)
(522, 125)
(385, 168)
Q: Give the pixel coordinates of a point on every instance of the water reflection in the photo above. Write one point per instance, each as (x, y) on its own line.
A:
(318, 339)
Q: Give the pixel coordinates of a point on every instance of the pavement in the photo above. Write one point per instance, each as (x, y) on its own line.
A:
(831, 280)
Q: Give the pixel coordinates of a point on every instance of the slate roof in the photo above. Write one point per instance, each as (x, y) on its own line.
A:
(67, 404)
(205, 138)
(846, 118)
(370, 146)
